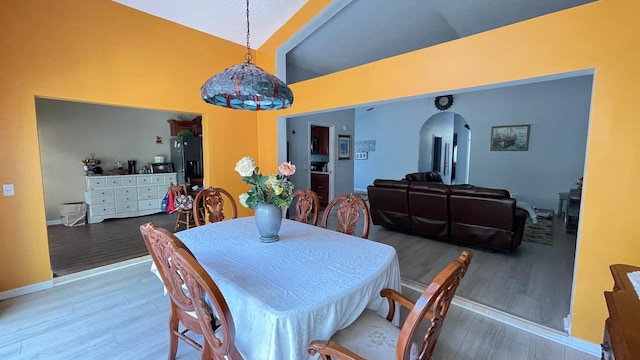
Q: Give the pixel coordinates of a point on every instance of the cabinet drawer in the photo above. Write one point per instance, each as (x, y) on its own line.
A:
(96, 183)
(157, 179)
(163, 190)
(101, 193)
(144, 180)
(126, 191)
(149, 204)
(127, 206)
(148, 190)
(127, 197)
(99, 210)
(170, 179)
(129, 181)
(102, 200)
(146, 196)
(114, 181)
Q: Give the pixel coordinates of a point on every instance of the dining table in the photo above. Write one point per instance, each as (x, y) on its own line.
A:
(306, 286)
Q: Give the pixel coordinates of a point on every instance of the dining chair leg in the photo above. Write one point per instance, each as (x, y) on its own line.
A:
(177, 222)
(173, 337)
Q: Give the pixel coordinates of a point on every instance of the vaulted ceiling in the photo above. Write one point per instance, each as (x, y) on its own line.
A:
(360, 32)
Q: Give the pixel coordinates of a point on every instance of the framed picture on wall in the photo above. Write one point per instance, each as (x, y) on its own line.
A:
(344, 147)
(510, 138)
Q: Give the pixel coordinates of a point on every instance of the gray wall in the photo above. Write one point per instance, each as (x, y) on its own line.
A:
(299, 151)
(558, 112)
(69, 131)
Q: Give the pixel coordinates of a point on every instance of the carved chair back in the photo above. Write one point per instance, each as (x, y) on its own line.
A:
(210, 307)
(182, 216)
(306, 201)
(348, 208)
(433, 306)
(210, 204)
(162, 244)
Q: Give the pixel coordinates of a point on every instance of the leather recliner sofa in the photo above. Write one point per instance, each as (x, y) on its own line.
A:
(463, 214)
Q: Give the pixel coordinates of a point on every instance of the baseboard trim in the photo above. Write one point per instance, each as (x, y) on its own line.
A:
(54, 222)
(100, 270)
(26, 290)
(557, 336)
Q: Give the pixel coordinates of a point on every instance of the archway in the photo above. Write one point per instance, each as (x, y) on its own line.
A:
(445, 140)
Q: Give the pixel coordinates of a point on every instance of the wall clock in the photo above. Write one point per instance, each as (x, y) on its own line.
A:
(444, 102)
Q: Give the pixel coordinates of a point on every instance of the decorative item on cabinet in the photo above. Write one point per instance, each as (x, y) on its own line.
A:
(194, 126)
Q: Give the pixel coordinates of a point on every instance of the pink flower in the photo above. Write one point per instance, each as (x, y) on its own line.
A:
(287, 169)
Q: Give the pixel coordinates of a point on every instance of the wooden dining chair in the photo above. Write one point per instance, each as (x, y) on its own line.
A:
(183, 217)
(210, 307)
(210, 204)
(348, 212)
(307, 206)
(162, 244)
(374, 337)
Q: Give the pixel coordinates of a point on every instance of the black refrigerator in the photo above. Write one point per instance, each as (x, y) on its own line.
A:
(186, 157)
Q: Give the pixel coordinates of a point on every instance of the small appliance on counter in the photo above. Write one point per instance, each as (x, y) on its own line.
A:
(132, 166)
(161, 168)
(318, 166)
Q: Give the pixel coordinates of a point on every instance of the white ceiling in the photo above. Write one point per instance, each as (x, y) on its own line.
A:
(226, 19)
(361, 32)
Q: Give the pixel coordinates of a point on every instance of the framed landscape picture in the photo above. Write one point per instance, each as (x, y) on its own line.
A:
(344, 147)
(510, 138)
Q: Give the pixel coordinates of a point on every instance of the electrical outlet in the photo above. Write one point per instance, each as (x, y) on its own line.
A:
(361, 155)
(7, 190)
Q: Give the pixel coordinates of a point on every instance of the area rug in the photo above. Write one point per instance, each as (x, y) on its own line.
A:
(540, 233)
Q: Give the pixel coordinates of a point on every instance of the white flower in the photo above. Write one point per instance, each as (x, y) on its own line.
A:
(243, 199)
(245, 166)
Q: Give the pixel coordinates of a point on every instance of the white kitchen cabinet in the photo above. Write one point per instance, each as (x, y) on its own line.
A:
(120, 196)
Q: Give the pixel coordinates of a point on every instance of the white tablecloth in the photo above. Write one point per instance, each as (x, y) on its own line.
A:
(306, 286)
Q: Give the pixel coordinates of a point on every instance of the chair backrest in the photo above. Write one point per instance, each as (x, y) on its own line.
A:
(432, 305)
(306, 201)
(162, 244)
(209, 204)
(178, 189)
(348, 212)
(210, 307)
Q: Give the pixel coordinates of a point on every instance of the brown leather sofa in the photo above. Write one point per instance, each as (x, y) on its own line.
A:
(463, 214)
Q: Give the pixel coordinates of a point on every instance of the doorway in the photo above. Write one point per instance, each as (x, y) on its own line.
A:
(444, 147)
(69, 132)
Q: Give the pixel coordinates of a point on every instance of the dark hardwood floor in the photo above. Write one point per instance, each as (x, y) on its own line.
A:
(80, 248)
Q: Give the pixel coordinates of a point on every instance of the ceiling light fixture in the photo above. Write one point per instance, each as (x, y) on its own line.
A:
(246, 86)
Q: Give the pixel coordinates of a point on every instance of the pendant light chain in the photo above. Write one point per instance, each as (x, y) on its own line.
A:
(248, 56)
(246, 86)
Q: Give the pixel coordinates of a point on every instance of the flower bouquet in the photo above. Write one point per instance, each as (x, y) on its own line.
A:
(267, 189)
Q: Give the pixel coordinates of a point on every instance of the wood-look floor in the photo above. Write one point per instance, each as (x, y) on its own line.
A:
(122, 314)
(80, 248)
(533, 283)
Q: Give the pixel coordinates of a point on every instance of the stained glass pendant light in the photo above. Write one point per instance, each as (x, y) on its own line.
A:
(246, 86)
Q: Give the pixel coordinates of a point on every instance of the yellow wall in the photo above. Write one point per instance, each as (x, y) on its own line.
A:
(101, 52)
(604, 36)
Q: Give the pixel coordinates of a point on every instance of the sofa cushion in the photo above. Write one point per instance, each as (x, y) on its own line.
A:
(400, 184)
(430, 176)
(477, 191)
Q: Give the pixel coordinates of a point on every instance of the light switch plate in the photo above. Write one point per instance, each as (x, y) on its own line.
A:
(7, 190)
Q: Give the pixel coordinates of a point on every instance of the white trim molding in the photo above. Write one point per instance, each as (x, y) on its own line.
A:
(26, 290)
(517, 322)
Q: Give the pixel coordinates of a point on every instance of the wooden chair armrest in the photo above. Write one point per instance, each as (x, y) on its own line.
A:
(330, 350)
(393, 296)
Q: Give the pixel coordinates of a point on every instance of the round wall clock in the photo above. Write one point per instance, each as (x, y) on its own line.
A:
(444, 102)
